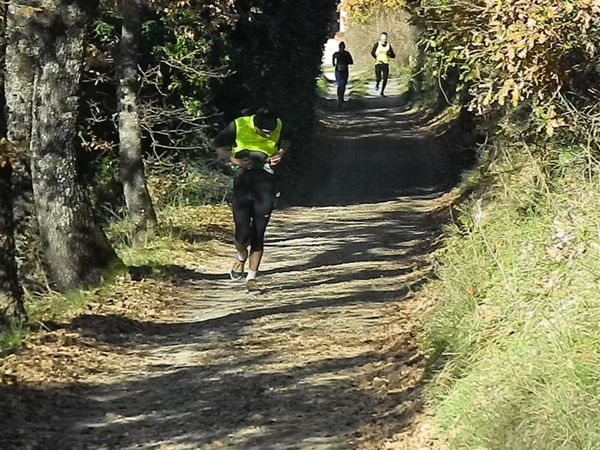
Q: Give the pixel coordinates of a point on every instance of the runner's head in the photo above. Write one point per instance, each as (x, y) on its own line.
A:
(265, 121)
(383, 37)
(342, 46)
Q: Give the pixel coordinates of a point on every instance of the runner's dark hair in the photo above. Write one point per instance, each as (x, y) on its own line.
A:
(265, 118)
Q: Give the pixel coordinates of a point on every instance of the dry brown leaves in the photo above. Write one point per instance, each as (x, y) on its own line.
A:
(49, 358)
(402, 419)
(84, 344)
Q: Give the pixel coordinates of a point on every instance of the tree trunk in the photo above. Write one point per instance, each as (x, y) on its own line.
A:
(142, 218)
(76, 251)
(11, 295)
(19, 95)
(19, 76)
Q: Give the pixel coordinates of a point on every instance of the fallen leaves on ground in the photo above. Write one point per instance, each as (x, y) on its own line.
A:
(85, 341)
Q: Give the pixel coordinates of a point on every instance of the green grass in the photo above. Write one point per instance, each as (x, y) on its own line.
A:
(359, 83)
(12, 338)
(185, 236)
(322, 86)
(48, 306)
(189, 184)
(516, 322)
(54, 306)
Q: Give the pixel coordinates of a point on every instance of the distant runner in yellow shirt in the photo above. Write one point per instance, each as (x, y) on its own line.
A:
(382, 52)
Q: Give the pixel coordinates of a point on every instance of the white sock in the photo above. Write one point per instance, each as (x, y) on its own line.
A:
(251, 275)
(242, 256)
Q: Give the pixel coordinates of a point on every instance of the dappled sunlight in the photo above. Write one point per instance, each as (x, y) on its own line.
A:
(292, 367)
(283, 369)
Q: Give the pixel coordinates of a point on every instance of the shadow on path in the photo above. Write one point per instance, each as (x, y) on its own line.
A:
(280, 370)
(377, 149)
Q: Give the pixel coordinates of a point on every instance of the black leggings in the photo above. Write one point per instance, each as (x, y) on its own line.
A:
(382, 72)
(252, 203)
(341, 77)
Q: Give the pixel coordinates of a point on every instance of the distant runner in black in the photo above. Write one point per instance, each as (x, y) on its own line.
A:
(252, 145)
(341, 61)
(383, 53)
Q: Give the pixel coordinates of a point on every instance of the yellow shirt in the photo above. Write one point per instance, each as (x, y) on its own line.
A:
(248, 139)
(381, 54)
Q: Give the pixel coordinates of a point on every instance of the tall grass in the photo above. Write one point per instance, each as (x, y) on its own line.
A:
(517, 319)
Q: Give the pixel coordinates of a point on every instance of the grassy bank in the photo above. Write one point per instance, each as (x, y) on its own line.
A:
(516, 322)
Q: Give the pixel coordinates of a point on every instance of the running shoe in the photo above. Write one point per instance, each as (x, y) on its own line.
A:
(237, 270)
(252, 286)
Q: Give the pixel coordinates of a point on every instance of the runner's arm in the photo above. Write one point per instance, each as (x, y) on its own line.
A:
(350, 60)
(284, 146)
(374, 51)
(391, 53)
(335, 56)
(223, 143)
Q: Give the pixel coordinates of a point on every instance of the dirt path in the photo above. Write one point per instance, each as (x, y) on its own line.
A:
(308, 364)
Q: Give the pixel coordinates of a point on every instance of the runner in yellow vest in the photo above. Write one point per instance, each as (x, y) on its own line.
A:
(382, 52)
(252, 145)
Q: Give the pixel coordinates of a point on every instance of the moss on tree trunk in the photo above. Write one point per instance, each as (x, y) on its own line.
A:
(19, 96)
(11, 295)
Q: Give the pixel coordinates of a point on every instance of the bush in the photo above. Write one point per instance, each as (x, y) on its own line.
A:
(187, 183)
(507, 53)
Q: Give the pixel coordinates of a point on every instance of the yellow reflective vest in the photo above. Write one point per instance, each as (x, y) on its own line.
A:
(382, 54)
(246, 137)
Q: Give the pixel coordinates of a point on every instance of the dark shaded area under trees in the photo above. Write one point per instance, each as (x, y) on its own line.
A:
(200, 64)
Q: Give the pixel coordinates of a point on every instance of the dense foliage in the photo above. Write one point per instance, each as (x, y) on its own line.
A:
(361, 10)
(518, 51)
(504, 54)
(203, 64)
